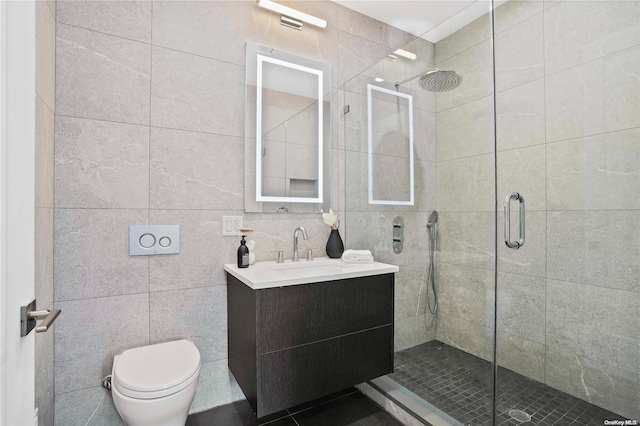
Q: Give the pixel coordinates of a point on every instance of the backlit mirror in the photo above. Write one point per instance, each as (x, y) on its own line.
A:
(287, 139)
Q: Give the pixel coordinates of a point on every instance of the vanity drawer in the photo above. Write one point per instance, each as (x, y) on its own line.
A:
(297, 375)
(296, 315)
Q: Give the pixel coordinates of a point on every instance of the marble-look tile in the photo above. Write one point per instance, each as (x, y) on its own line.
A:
(466, 294)
(522, 356)
(595, 322)
(43, 268)
(395, 189)
(515, 11)
(424, 136)
(600, 384)
(466, 184)
(473, 338)
(598, 248)
(520, 54)
(521, 116)
(127, 19)
(531, 258)
(576, 32)
(466, 130)
(597, 97)
(189, 172)
(356, 54)
(87, 407)
(189, 92)
(466, 37)
(45, 54)
(100, 164)
(195, 314)
(84, 354)
(426, 175)
(522, 170)
(413, 331)
(92, 254)
(44, 375)
(475, 65)
(466, 239)
(595, 173)
(203, 250)
(371, 29)
(425, 50)
(411, 290)
(521, 306)
(217, 387)
(101, 76)
(44, 152)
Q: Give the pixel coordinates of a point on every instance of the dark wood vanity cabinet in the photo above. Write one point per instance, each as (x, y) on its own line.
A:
(290, 345)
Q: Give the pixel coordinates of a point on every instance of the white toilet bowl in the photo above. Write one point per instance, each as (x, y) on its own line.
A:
(155, 385)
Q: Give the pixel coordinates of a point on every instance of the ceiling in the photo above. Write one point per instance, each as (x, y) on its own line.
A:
(432, 20)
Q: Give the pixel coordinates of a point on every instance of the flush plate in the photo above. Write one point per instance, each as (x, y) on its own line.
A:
(147, 240)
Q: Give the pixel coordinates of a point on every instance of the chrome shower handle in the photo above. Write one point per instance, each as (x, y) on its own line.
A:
(507, 220)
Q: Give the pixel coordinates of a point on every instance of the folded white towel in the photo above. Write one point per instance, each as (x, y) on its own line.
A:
(357, 256)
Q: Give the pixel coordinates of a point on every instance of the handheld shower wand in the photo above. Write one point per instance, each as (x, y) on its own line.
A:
(431, 277)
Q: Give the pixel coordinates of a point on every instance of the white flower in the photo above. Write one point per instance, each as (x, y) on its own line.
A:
(330, 218)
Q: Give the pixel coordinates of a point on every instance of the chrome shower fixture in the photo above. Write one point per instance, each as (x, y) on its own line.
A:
(436, 80)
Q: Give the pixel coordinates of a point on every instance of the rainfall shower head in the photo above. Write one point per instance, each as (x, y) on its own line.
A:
(436, 80)
(433, 219)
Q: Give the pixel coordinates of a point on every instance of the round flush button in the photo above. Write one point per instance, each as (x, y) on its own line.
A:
(147, 240)
(165, 241)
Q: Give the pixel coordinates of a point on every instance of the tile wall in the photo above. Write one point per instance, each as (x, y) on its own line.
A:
(149, 129)
(44, 168)
(568, 139)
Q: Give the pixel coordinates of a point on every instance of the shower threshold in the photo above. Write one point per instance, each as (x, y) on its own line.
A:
(460, 384)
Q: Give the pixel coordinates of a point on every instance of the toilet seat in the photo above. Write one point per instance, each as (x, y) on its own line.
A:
(155, 371)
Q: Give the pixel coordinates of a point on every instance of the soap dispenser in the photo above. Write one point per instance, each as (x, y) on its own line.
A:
(243, 254)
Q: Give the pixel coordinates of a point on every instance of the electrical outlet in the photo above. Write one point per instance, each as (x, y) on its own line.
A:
(231, 225)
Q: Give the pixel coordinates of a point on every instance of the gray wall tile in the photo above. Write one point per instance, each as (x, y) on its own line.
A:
(600, 384)
(87, 407)
(515, 11)
(90, 332)
(356, 54)
(196, 170)
(128, 19)
(599, 96)
(473, 338)
(92, 254)
(100, 164)
(466, 37)
(411, 290)
(45, 54)
(470, 179)
(575, 31)
(531, 258)
(43, 271)
(44, 399)
(520, 54)
(521, 306)
(194, 93)
(520, 115)
(371, 29)
(594, 322)
(466, 293)
(466, 239)
(217, 387)
(522, 356)
(102, 77)
(414, 331)
(44, 151)
(596, 172)
(197, 314)
(203, 250)
(523, 170)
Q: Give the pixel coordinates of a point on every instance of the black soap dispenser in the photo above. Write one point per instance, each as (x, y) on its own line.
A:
(243, 254)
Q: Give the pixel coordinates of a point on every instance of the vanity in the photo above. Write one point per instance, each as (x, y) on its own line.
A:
(298, 331)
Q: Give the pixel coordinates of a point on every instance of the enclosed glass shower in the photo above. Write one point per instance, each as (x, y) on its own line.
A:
(538, 315)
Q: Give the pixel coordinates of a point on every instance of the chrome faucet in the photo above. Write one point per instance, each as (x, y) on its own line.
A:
(295, 241)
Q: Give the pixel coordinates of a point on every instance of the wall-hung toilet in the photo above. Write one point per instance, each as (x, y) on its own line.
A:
(155, 385)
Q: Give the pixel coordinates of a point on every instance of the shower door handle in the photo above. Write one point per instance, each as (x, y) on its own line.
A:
(507, 220)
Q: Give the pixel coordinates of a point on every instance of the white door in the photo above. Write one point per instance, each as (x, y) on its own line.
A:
(17, 155)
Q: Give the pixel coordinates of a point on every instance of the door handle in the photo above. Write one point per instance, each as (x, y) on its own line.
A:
(29, 316)
(507, 221)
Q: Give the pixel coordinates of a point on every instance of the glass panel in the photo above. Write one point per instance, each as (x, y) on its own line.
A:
(568, 139)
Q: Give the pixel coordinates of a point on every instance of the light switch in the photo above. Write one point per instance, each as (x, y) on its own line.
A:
(231, 225)
(146, 240)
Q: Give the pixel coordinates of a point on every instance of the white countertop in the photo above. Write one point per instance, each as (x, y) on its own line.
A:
(272, 274)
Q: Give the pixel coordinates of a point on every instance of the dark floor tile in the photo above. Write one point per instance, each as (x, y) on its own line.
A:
(352, 410)
(238, 413)
(323, 400)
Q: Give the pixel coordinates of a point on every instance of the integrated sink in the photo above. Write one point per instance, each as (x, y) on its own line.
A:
(272, 274)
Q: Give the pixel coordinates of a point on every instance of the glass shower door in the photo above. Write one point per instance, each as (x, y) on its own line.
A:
(568, 141)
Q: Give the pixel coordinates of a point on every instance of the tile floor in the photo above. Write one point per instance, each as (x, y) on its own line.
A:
(460, 384)
(347, 408)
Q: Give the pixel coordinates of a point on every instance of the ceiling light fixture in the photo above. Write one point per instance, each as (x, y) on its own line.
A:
(391, 57)
(292, 13)
(406, 54)
(379, 80)
(290, 22)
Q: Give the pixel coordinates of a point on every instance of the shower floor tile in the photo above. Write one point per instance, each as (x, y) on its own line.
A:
(460, 385)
